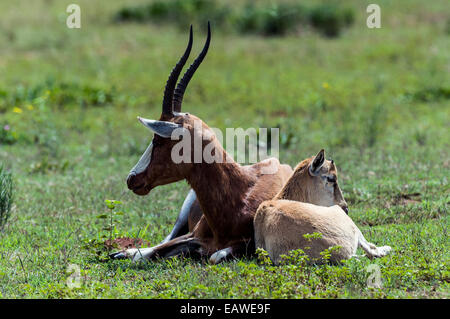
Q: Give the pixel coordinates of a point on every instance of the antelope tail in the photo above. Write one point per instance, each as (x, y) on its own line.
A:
(370, 249)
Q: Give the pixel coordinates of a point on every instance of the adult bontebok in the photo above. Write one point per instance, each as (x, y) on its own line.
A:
(228, 193)
(310, 202)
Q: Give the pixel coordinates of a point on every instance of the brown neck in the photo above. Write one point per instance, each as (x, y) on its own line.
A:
(221, 190)
(295, 188)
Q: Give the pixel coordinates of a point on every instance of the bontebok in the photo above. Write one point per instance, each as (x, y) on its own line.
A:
(228, 194)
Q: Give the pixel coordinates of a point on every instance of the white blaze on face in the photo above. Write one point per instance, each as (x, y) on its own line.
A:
(144, 161)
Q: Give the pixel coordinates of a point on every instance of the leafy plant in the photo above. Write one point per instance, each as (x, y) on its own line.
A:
(49, 165)
(7, 135)
(375, 122)
(57, 95)
(430, 94)
(6, 195)
(263, 257)
(111, 204)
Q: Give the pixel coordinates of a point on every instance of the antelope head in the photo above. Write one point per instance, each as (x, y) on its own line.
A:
(315, 181)
(156, 166)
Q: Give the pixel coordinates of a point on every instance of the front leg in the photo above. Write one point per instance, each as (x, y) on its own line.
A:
(133, 253)
(186, 244)
(221, 255)
(240, 248)
(181, 226)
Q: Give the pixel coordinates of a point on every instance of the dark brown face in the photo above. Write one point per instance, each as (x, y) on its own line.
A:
(159, 171)
(161, 163)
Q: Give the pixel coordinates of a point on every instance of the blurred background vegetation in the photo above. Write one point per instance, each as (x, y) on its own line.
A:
(376, 99)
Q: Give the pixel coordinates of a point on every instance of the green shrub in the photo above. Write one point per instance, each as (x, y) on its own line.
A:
(250, 20)
(58, 95)
(375, 121)
(278, 19)
(282, 19)
(46, 165)
(7, 134)
(3, 101)
(183, 12)
(430, 94)
(6, 196)
(330, 19)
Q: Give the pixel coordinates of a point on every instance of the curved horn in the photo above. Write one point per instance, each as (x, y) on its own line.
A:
(172, 81)
(181, 87)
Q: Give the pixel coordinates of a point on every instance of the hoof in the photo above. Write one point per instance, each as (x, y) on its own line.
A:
(134, 254)
(220, 256)
(118, 255)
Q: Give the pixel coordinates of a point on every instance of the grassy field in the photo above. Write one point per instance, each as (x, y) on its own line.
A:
(377, 100)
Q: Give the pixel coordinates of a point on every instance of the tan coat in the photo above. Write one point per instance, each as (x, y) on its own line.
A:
(281, 223)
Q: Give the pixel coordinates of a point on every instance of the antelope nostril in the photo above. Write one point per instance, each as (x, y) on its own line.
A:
(130, 179)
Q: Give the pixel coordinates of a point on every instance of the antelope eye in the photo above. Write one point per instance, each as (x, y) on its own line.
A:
(331, 179)
(156, 142)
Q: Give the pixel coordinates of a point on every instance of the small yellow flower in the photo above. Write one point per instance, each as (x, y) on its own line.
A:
(30, 107)
(325, 85)
(17, 110)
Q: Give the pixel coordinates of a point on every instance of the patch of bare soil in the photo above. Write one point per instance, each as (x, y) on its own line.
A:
(406, 199)
(123, 243)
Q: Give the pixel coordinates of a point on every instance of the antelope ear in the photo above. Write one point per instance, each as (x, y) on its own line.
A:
(317, 163)
(161, 128)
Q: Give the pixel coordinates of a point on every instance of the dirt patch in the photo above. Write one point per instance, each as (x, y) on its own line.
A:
(279, 113)
(125, 243)
(406, 199)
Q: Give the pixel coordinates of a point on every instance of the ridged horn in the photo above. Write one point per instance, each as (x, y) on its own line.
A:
(173, 78)
(182, 85)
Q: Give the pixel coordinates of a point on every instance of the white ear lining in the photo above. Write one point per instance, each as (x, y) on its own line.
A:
(144, 161)
(161, 128)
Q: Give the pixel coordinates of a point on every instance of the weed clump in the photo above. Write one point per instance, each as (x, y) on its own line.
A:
(430, 94)
(6, 196)
(7, 135)
(60, 95)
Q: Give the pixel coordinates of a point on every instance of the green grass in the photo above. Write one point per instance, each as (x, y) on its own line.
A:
(376, 100)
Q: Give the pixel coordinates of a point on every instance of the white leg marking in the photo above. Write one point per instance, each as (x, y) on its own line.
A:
(138, 254)
(384, 250)
(220, 255)
(142, 254)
